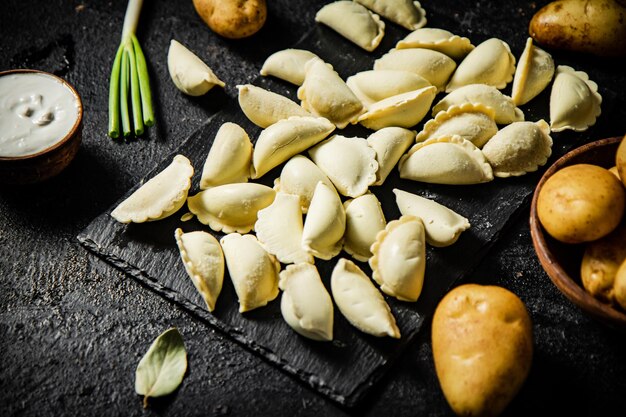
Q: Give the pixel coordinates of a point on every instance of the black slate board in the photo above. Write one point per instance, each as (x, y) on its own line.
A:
(345, 369)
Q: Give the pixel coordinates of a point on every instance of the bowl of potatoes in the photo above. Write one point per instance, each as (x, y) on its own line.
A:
(578, 228)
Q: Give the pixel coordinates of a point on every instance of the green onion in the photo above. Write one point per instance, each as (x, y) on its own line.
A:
(130, 81)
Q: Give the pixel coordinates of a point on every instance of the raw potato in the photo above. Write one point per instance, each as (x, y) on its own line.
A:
(600, 263)
(232, 19)
(620, 285)
(482, 347)
(593, 26)
(620, 161)
(581, 203)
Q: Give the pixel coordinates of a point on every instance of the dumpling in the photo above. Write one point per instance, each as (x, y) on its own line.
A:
(403, 110)
(264, 108)
(519, 148)
(286, 138)
(354, 22)
(445, 160)
(202, 256)
(160, 197)
(360, 302)
(288, 65)
(348, 162)
(253, 271)
(533, 73)
(439, 40)
(325, 94)
(390, 143)
(442, 225)
(506, 111)
(434, 66)
(305, 304)
(300, 177)
(229, 159)
(364, 219)
(406, 13)
(372, 86)
(188, 72)
(279, 229)
(399, 258)
(574, 100)
(231, 207)
(324, 224)
(473, 122)
(490, 63)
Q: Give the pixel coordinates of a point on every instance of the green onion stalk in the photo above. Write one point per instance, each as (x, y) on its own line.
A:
(130, 83)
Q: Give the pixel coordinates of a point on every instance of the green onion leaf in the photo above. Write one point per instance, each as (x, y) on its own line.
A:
(114, 95)
(144, 84)
(135, 94)
(124, 84)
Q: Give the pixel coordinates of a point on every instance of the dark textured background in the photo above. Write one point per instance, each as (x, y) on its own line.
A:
(72, 328)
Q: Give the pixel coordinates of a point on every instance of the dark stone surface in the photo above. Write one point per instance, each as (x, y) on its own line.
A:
(73, 328)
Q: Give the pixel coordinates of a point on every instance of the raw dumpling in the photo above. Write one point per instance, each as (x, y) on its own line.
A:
(490, 63)
(325, 223)
(231, 207)
(390, 143)
(204, 262)
(264, 108)
(372, 86)
(348, 162)
(253, 271)
(439, 40)
(360, 302)
(574, 100)
(288, 65)
(434, 66)
(354, 22)
(443, 226)
(305, 304)
(364, 219)
(325, 94)
(286, 138)
(229, 159)
(399, 258)
(533, 73)
(445, 160)
(519, 148)
(279, 229)
(403, 110)
(505, 109)
(300, 177)
(188, 72)
(161, 196)
(472, 122)
(406, 13)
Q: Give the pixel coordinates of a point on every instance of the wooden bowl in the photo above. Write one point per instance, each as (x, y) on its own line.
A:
(29, 169)
(562, 261)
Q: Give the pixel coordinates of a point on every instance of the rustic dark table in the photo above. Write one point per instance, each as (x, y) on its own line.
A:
(73, 328)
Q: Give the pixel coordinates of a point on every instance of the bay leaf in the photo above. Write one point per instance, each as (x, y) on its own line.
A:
(162, 368)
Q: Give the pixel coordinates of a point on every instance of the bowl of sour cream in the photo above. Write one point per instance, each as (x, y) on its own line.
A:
(40, 125)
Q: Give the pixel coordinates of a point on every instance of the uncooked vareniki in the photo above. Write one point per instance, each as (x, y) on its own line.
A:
(354, 22)
(300, 177)
(253, 271)
(439, 40)
(434, 66)
(574, 100)
(360, 302)
(445, 160)
(406, 13)
(390, 143)
(305, 304)
(364, 219)
(443, 226)
(160, 197)
(229, 159)
(403, 110)
(264, 108)
(533, 74)
(325, 223)
(202, 256)
(288, 65)
(372, 86)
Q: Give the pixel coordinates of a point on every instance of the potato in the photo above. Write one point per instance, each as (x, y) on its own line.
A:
(614, 171)
(620, 285)
(620, 160)
(601, 261)
(580, 203)
(482, 348)
(232, 19)
(591, 26)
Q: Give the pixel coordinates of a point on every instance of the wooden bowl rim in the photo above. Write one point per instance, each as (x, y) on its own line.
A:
(71, 134)
(557, 274)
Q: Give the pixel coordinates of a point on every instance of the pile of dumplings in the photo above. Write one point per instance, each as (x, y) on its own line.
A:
(476, 133)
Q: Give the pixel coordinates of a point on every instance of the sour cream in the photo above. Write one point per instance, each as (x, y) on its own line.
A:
(37, 110)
